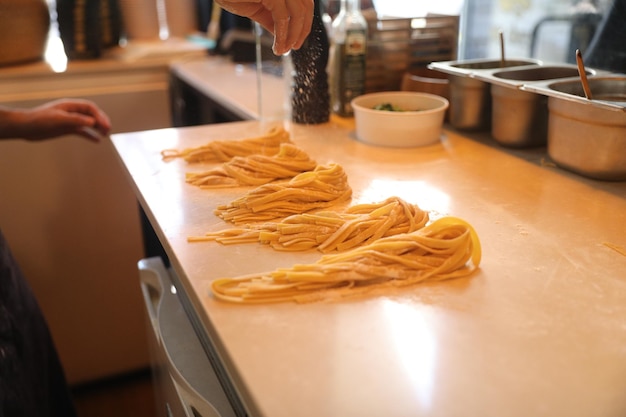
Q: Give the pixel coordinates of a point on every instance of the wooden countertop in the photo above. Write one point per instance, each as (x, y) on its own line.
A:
(238, 88)
(540, 330)
(135, 64)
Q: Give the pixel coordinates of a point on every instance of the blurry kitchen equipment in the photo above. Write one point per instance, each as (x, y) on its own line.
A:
(24, 26)
(180, 17)
(585, 138)
(158, 19)
(418, 120)
(470, 98)
(425, 80)
(236, 38)
(470, 103)
(520, 118)
(397, 45)
(141, 19)
(87, 28)
(583, 75)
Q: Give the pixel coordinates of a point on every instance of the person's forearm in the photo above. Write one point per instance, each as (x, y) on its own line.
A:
(11, 121)
(53, 120)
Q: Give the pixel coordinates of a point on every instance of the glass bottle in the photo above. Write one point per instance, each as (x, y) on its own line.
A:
(310, 96)
(347, 68)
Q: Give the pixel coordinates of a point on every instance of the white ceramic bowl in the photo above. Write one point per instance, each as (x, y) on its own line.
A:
(419, 124)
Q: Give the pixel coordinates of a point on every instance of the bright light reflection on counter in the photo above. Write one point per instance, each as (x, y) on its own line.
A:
(423, 194)
(415, 347)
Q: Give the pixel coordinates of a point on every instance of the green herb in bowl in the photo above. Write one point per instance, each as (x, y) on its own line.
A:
(387, 107)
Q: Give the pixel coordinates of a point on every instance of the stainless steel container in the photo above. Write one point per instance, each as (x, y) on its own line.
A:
(540, 73)
(470, 103)
(519, 118)
(585, 136)
(489, 64)
(470, 98)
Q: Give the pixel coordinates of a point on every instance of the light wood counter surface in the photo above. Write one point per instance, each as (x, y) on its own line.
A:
(539, 330)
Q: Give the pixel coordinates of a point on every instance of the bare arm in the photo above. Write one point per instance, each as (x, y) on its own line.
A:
(53, 119)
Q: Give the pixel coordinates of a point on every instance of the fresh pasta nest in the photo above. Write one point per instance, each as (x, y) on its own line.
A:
(445, 249)
(255, 169)
(225, 150)
(328, 230)
(323, 187)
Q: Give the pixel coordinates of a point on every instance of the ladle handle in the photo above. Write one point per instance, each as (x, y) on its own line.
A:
(502, 55)
(583, 74)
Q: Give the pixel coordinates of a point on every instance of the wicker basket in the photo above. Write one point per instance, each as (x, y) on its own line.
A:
(398, 45)
(24, 26)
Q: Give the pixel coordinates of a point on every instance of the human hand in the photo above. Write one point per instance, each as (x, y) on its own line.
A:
(62, 117)
(288, 20)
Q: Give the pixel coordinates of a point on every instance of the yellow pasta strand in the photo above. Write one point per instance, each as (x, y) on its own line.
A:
(255, 169)
(445, 249)
(328, 231)
(317, 189)
(224, 150)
